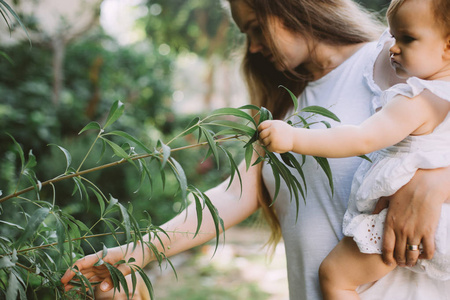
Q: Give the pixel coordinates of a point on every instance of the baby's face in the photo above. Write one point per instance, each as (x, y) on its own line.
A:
(419, 41)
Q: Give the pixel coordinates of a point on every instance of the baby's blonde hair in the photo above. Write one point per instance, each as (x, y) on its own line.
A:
(440, 9)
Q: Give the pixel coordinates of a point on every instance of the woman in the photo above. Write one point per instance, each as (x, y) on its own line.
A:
(321, 50)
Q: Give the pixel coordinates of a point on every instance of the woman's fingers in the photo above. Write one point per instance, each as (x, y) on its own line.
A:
(82, 264)
(428, 247)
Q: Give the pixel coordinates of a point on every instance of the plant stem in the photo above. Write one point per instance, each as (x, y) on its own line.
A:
(89, 151)
(116, 163)
(84, 238)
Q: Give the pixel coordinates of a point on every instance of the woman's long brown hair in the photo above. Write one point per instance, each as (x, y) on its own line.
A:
(333, 22)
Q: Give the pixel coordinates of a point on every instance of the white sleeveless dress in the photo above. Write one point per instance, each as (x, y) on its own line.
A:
(393, 167)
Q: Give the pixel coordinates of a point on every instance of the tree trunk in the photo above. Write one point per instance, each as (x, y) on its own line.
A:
(59, 51)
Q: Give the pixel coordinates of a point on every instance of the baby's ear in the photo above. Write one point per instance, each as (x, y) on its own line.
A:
(446, 54)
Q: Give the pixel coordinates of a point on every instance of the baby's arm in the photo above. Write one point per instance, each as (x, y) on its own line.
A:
(399, 118)
(346, 268)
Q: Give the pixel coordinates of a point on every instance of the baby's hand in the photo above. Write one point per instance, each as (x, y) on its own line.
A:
(276, 136)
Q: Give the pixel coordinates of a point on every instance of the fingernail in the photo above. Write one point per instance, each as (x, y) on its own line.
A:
(104, 286)
(388, 263)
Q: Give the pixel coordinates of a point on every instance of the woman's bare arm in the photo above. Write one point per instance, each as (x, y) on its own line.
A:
(232, 207)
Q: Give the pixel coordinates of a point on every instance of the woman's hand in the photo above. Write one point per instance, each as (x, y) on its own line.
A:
(100, 273)
(276, 136)
(413, 216)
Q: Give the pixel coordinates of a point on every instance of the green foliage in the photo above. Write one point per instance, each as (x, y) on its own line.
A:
(198, 26)
(38, 248)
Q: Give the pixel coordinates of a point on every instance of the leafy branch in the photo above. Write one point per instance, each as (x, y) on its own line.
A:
(51, 239)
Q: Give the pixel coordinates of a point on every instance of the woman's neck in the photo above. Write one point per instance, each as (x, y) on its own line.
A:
(328, 57)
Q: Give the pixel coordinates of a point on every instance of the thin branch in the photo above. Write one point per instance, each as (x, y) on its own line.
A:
(116, 163)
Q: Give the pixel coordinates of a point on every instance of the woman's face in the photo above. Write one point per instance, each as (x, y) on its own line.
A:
(292, 48)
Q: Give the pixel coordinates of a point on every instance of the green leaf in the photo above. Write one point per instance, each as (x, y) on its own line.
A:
(34, 222)
(118, 279)
(218, 222)
(130, 138)
(115, 112)
(193, 125)
(240, 128)
(365, 157)
(264, 115)
(147, 282)
(293, 97)
(295, 164)
(253, 139)
(199, 210)
(112, 203)
(234, 168)
(31, 163)
(91, 125)
(19, 150)
(61, 237)
(5, 262)
(165, 152)
(100, 199)
(79, 186)
(13, 287)
(212, 145)
(249, 106)
(248, 156)
(12, 12)
(328, 125)
(323, 163)
(12, 225)
(118, 151)
(321, 111)
(126, 222)
(232, 112)
(7, 57)
(66, 154)
(181, 177)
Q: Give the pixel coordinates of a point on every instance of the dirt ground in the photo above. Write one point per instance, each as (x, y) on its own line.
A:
(240, 270)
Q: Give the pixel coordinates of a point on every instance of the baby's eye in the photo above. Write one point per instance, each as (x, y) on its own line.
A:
(408, 39)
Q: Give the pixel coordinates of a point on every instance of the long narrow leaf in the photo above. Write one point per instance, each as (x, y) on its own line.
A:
(218, 222)
(212, 145)
(90, 126)
(240, 128)
(323, 163)
(130, 138)
(115, 112)
(126, 221)
(34, 222)
(12, 12)
(293, 97)
(232, 112)
(321, 111)
(181, 177)
(19, 150)
(192, 126)
(67, 155)
(234, 169)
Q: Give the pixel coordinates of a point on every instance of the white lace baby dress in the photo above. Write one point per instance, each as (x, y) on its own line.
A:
(393, 167)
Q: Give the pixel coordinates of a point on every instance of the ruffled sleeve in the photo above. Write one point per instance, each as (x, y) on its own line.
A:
(414, 86)
(376, 102)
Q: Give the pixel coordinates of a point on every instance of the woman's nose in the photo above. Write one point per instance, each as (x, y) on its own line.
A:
(255, 46)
